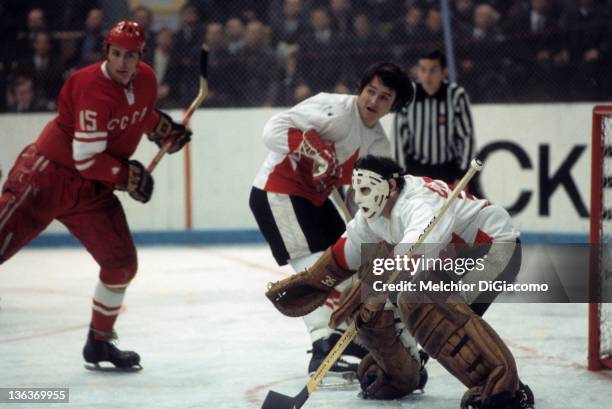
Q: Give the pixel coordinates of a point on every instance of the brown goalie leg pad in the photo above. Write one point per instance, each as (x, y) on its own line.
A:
(389, 371)
(464, 344)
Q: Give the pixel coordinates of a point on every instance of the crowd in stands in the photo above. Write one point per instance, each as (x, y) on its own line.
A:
(278, 52)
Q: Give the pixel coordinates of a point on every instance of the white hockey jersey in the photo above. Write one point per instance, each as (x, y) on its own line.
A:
(336, 118)
(467, 220)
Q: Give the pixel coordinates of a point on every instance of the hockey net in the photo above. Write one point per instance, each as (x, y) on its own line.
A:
(600, 314)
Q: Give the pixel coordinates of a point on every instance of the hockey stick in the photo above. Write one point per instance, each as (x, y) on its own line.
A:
(202, 92)
(275, 400)
(335, 194)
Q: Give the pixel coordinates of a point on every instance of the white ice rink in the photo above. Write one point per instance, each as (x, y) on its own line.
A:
(209, 338)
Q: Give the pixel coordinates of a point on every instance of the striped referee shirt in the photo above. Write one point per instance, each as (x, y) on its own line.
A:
(435, 130)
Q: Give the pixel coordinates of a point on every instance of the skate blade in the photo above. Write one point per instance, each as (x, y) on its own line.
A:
(336, 380)
(110, 368)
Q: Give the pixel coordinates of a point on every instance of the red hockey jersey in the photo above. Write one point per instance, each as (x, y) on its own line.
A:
(100, 122)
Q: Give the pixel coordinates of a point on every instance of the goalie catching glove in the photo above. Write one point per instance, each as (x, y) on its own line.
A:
(168, 130)
(302, 293)
(139, 183)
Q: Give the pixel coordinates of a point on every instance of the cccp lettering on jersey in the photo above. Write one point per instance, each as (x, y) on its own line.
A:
(122, 123)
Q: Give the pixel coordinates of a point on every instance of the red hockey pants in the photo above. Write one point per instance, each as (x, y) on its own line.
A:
(38, 191)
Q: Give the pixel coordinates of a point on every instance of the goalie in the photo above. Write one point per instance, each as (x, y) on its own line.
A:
(397, 209)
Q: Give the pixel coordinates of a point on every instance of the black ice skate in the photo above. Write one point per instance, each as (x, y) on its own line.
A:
(97, 351)
(525, 397)
(353, 349)
(521, 399)
(341, 373)
(423, 375)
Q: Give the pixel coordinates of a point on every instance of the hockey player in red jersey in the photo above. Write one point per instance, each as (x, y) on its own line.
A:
(70, 173)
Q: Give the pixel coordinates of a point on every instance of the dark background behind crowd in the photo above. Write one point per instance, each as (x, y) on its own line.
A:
(278, 52)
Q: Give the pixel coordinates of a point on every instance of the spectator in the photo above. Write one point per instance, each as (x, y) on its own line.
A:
(433, 36)
(234, 35)
(72, 13)
(485, 24)
(35, 22)
(408, 34)
(44, 67)
(248, 14)
(480, 55)
(463, 16)
(22, 97)
(259, 68)
(365, 47)
(186, 55)
(587, 39)
(319, 65)
(144, 16)
(222, 87)
(212, 10)
(90, 48)
(341, 16)
(288, 29)
(162, 65)
(381, 11)
(533, 35)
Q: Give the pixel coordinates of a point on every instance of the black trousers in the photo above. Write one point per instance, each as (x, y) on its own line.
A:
(293, 226)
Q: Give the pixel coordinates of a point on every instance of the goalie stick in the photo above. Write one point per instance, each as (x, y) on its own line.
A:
(202, 92)
(275, 400)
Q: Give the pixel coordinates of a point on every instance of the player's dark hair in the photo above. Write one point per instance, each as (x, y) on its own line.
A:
(436, 55)
(394, 77)
(386, 167)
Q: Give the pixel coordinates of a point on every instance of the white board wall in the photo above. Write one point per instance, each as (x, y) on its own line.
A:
(227, 151)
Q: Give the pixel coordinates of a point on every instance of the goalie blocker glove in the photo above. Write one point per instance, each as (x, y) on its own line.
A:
(139, 183)
(168, 130)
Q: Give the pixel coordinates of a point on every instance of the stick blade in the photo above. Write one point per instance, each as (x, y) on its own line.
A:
(275, 400)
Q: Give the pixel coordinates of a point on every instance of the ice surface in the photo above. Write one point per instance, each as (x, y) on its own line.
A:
(210, 339)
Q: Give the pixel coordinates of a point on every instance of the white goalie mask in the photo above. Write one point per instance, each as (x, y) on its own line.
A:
(371, 192)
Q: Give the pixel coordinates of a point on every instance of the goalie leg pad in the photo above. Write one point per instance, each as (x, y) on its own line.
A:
(463, 343)
(389, 371)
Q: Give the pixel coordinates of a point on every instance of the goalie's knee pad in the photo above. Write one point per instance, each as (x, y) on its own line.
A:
(464, 344)
(389, 370)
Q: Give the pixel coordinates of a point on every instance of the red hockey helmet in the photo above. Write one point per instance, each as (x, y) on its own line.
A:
(127, 34)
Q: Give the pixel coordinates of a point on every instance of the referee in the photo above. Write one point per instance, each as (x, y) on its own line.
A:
(434, 136)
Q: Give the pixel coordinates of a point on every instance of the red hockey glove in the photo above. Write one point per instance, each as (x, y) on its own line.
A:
(326, 171)
(139, 183)
(166, 129)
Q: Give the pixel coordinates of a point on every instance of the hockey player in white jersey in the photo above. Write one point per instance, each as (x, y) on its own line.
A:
(396, 209)
(312, 149)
